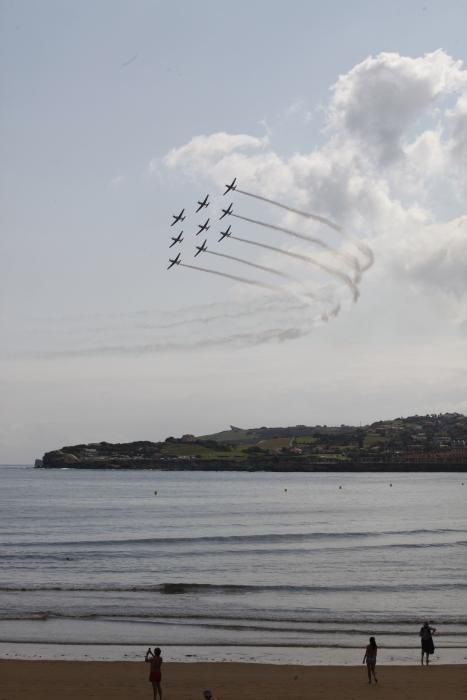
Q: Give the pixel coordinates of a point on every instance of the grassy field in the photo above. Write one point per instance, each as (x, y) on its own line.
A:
(245, 437)
(306, 440)
(373, 439)
(191, 449)
(274, 444)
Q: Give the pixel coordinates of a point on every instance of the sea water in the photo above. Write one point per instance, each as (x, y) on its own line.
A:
(247, 566)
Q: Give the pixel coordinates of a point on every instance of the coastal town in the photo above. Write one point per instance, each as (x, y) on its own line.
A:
(434, 442)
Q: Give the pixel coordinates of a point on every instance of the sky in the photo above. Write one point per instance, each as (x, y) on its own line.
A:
(116, 115)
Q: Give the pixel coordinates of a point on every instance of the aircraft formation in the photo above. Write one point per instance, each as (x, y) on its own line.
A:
(336, 256)
(202, 204)
(311, 266)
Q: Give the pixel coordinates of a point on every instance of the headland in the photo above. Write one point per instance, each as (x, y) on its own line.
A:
(431, 443)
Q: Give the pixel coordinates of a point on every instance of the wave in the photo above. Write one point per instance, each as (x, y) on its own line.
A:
(65, 556)
(181, 588)
(273, 538)
(401, 626)
(222, 645)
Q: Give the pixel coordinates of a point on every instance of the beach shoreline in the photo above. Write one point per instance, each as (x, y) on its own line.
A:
(53, 680)
(313, 656)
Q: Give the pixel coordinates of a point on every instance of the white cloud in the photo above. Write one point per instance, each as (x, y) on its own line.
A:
(458, 117)
(381, 98)
(457, 121)
(205, 151)
(436, 261)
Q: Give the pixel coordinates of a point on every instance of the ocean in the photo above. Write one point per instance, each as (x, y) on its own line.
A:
(278, 568)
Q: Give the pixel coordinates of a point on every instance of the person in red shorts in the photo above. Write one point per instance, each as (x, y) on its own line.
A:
(155, 674)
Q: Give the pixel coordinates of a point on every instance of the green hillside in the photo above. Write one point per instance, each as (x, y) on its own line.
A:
(435, 439)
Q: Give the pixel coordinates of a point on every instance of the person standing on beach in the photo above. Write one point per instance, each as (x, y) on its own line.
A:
(155, 674)
(370, 659)
(427, 641)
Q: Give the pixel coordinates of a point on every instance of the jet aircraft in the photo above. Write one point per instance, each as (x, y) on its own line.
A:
(178, 217)
(202, 204)
(226, 211)
(201, 248)
(177, 239)
(232, 186)
(225, 234)
(204, 227)
(174, 261)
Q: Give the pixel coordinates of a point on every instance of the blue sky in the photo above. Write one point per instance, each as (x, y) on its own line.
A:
(96, 95)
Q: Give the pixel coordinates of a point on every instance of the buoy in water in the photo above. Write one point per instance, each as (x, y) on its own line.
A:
(155, 493)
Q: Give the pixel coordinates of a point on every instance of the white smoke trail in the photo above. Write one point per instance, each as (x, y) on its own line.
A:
(350, 259)
(246, 339)
(307, 215)
(288, 231)
(265, 268)
(306, 258)
(303, 296)
(236, 278)
(368, 253)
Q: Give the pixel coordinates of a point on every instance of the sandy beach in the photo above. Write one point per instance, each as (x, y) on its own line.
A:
(54, 680)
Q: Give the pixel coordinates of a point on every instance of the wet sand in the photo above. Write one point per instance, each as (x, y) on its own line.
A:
(55, 680)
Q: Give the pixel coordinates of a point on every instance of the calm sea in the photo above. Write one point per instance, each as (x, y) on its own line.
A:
(262, 567)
